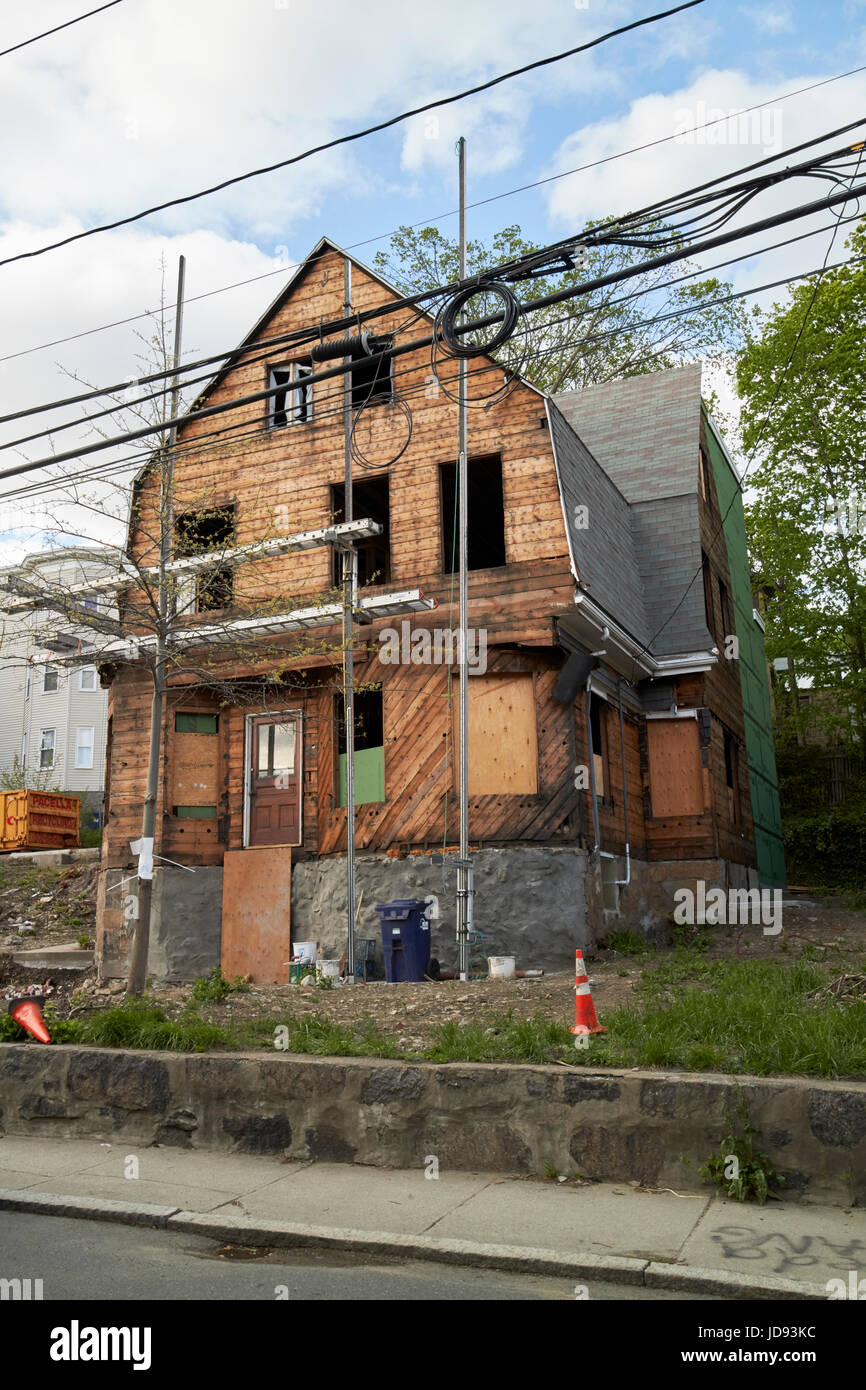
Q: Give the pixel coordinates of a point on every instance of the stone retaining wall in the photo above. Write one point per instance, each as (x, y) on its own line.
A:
(608, 1125)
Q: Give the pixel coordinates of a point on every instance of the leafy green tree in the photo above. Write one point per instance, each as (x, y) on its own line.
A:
(596, 337)
(801, 380)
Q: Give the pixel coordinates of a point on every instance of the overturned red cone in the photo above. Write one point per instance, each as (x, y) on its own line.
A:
(584, 1007)
(28, 1013)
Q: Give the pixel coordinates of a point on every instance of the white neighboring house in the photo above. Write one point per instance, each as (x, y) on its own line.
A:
(53, 717)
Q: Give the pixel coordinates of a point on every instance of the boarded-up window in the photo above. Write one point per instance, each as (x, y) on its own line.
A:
(676, 780)
(194, 765)
(503, 745)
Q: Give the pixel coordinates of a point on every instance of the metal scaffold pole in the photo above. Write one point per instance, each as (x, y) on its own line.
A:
(350, 597)
(137, 971)
(464, 872)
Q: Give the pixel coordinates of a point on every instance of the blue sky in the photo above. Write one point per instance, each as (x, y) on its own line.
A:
(148, 101)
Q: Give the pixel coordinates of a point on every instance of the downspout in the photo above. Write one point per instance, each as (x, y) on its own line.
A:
(591, 766)
(624, 881)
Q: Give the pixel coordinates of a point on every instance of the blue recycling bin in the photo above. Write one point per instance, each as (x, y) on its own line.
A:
(405, 938)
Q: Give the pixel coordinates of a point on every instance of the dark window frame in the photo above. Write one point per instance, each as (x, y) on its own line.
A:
(293, 404)
(496, 548)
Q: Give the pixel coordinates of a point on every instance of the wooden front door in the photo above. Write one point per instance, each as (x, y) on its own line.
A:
(274, 778)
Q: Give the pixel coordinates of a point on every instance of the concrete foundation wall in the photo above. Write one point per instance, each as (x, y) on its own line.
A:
(529, 902)
(538, 903)
(186, 916)
(608, 1125)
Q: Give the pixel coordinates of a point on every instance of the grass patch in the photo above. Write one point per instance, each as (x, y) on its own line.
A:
(627, 943)
(503, 1039)
(734, 1016)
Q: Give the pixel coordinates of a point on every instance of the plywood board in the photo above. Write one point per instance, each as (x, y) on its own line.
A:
(503, 743)
(257, 914)
(675, 774)
(194, 769)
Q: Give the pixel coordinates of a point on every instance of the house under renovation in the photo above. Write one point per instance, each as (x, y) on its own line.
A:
(619, 721)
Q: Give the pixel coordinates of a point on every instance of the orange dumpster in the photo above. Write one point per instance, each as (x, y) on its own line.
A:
(38, 820)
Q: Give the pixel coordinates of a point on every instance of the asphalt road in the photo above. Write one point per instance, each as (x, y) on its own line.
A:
(86, 1260)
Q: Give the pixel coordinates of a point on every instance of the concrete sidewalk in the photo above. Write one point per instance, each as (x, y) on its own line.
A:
(611, 1232)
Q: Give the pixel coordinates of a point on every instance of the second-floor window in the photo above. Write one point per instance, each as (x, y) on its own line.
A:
(50, 680)
(87, 678)
(84, 747)
(486, 514)
(210, 531)
(292, 402)
(46, 747)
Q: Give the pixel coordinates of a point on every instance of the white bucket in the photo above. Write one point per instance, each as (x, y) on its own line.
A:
(329, 969)
(501, 967)
(306, 951)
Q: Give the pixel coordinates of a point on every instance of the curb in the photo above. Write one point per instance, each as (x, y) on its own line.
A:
(515, 1259)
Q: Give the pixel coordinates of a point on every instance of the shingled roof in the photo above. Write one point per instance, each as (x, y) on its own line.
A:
(642, 547)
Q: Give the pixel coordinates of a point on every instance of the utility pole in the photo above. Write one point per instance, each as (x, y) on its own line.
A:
(137, 976)
(464, 872)
(350, 585)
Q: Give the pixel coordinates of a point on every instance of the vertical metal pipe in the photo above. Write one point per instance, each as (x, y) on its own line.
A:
(137, 972)
(464, 884)
(349, 560)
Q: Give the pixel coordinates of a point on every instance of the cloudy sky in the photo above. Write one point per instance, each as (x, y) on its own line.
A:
(152, 100)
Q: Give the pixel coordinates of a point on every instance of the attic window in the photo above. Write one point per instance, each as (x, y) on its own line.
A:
(292, 403)
(486, 523)
(372, 379)
(200, 533)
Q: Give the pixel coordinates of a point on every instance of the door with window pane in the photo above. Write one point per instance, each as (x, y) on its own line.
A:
(274, 777)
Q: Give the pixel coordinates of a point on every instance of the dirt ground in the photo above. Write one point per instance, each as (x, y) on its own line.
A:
(59, 907)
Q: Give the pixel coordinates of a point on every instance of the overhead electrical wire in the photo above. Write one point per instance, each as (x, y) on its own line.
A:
(245, 429)
(355, 135)
(57, 28)
(249, 360)
(557, 297)
(443, 216)
(612, 231)
(782, 377)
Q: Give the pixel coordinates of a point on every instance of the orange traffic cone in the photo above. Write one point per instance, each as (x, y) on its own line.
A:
(585, 1010)
(28, 1013)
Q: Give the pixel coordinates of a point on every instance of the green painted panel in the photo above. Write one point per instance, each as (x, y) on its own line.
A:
(754, 681)
(196, 812)
(195, 723)
(369, 776)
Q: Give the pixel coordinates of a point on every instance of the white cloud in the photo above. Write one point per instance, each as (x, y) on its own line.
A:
(769, 19)
(696, 156)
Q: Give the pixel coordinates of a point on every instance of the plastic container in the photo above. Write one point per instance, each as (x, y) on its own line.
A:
(501, 967)
(328, 969)
(306, 951)
(405, 938)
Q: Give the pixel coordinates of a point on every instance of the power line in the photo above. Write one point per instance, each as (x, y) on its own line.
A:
(250, 360)
(245, 429)
(356, 135)
(57, 28)
(768, 413)
(442, 216)
(557, 297)
(613, 230)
